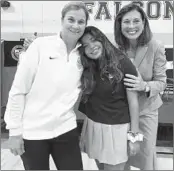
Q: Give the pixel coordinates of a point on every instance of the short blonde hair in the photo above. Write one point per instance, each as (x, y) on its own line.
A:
(75, 5)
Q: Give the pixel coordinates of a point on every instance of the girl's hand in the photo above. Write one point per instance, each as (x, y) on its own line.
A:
(27, 42)
(133, 148)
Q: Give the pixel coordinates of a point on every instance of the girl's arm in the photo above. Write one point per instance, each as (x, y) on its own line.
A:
(134, 136)
(132, 97)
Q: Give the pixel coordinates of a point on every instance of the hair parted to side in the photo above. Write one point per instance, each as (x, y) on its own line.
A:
(120, 39)
(75, 5)
(108, 65)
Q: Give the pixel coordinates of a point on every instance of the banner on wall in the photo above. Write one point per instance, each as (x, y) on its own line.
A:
(109, 9)
(12, 50)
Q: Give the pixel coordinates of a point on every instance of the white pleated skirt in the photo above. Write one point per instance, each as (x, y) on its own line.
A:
(106, 143)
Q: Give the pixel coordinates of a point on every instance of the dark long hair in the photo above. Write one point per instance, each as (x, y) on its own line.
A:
(107, 65)
(120, 39)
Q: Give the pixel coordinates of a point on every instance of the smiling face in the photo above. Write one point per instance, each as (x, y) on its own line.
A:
(73, 24)
(132, 25)
(93, 48)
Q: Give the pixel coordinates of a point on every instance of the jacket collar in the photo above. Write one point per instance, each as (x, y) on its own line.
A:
(140, 54)
(59, 37)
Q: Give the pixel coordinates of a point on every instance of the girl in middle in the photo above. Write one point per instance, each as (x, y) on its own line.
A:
(112, 111)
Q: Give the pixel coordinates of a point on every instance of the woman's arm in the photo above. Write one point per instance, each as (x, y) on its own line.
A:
(21, 85)
(158, 82)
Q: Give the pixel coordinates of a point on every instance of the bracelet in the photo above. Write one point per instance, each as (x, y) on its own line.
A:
(134, 137)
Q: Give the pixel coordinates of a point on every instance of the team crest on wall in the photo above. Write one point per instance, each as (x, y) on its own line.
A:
(15, 52)
(12, 50)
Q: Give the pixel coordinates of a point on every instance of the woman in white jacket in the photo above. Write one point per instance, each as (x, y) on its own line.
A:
(39, 113)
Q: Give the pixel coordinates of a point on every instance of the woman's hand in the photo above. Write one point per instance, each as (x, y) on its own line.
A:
(133, 148)
(16, 145)
(135, 83)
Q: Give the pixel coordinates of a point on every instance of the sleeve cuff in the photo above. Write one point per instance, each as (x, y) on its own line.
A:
(148, 93)
(15, 132)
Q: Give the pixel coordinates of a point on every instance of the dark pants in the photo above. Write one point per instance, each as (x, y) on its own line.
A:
(25, 163)
(64, 150)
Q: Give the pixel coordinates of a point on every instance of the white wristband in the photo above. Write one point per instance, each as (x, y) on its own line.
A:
(134, 138)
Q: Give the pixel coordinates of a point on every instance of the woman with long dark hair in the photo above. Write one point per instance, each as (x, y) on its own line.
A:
(112, 111)
(134, 37)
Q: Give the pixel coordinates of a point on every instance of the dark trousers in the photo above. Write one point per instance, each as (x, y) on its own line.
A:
(25, 163)
(64, 150)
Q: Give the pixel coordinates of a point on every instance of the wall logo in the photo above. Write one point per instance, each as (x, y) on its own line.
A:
(15, 52)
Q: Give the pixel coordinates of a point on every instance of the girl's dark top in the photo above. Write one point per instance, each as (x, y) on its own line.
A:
(106, 107)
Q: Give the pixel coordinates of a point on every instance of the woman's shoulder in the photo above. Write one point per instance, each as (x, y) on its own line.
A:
(45, 41)
(155, 43)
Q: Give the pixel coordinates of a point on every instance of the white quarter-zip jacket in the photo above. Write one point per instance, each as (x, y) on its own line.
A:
(44, 91)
